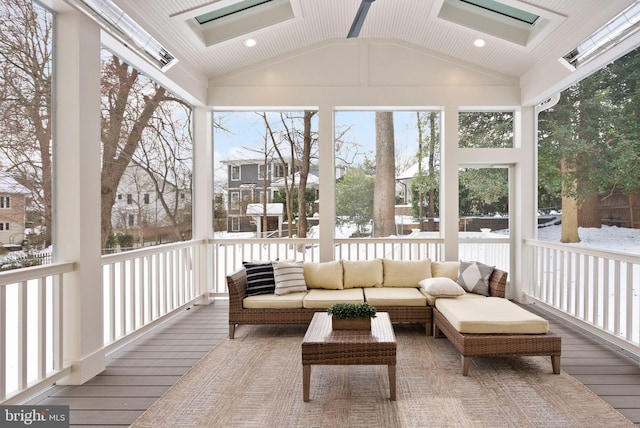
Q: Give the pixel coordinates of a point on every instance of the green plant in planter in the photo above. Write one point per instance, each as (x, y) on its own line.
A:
(352, 310)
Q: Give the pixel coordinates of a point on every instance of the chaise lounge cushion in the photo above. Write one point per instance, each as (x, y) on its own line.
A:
(405, 273)
(271, 301)
(322, 299)
(395, 296)
(490, 315)
(362, 273)
(327, 275)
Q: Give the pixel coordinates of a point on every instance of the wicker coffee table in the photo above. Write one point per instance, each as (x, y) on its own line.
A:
(323, 345)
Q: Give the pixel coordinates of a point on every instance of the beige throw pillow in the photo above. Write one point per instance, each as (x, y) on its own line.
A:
(441, 287)
(447, 269)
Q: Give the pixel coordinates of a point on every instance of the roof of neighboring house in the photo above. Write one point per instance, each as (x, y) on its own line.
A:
(408, 173)
(272, 209)
(8, 184)
(312, 180)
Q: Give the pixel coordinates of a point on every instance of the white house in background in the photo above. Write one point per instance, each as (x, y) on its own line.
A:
(139, 205)
(13, 209)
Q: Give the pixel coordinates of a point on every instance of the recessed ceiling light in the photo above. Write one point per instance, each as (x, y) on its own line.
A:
(479, 43)
(250, 43)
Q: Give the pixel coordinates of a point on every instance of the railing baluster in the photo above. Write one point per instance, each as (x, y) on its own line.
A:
(42, 328)
(22, 334)
(3, 341)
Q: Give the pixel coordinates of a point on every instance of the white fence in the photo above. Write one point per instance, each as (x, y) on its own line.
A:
(598, 289)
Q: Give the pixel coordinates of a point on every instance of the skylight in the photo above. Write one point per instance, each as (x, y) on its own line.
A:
(512, 21)
(503, 9)
(229, 10)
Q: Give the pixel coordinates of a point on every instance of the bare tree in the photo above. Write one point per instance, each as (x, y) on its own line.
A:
(25, 100)
(384, 189)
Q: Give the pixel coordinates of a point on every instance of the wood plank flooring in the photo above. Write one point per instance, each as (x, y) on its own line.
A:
(137, 375)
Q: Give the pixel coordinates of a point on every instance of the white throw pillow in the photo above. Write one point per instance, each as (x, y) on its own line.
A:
(441, 287)
(289, 278)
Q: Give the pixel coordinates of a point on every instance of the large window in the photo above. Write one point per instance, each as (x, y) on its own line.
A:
(387, 172)
(153, 167)
(26, 68)
(254, 154)
(589, 158)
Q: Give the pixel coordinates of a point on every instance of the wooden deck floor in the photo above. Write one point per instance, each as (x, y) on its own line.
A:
(137, 375)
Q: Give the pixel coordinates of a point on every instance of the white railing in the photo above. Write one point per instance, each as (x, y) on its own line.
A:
(31, 327)
(142, 286)
(494, 251)
(388, 248)
(600, 290)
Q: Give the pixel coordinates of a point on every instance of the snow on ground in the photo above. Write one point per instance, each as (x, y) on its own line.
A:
(609, 238)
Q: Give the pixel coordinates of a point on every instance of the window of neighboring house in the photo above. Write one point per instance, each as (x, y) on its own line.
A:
(183, 196)
(5, 201)
(132, 220)
(235, 201)
(235, 224)
(119, 196)
(129, 199)
(146, 198)
(4, 226)
(258, 196)
(280, 170)
(235, 172)
(261, 171)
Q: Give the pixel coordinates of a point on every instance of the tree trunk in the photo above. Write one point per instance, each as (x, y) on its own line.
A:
(304, 173)
(384, 188)
(569, 231)
(589, 212)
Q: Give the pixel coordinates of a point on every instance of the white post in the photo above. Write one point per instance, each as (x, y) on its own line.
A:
(449, 209)
(203, 198)
(76, 230)
(327, 175)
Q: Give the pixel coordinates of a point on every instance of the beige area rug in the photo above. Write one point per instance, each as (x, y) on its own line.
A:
(255, 380)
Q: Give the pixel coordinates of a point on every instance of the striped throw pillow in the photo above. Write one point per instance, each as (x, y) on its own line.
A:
(289, 278)
(260, 278)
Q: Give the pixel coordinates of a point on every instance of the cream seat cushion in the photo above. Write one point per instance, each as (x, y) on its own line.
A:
(322, 299)
(431, 300)
(395, 296)
(405, 273)
(272, 301)
(487, 315)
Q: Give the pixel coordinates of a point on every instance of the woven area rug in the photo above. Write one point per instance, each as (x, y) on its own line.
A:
(255, 380)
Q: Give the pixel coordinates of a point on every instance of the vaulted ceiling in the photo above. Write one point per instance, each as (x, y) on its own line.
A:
(315, 21)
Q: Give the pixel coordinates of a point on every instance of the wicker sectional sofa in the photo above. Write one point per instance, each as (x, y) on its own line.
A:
(391, 286)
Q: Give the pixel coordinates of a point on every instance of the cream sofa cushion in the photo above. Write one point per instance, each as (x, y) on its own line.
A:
(327, 275)
(395, 296)
(362, 273)
(441, 286)
(405, 273)
(447, 269)
(487, 315)
(322, 299)
(272, 301)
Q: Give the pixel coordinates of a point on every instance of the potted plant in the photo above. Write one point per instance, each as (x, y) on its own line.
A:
(351, 316)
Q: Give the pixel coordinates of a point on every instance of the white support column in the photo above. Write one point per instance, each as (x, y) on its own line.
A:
(203, 197)
(327, 176)
(449, 183)
(76, 202)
